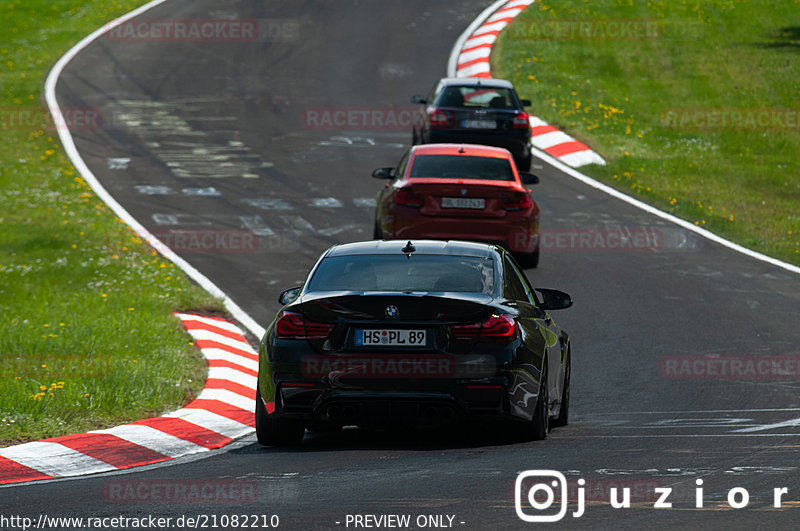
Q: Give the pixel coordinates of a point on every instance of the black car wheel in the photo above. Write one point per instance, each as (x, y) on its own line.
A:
(563, 414)
(377, 233)
(272, 431)
(414, 137)
(525, 164)
(540, 425)
(529, 260)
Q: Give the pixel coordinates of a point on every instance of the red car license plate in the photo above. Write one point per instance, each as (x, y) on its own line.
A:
(476, 203)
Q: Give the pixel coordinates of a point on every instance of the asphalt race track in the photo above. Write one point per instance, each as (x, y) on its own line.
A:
(221, 138)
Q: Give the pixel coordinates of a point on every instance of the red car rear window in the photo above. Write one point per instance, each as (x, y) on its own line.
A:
(461, 167)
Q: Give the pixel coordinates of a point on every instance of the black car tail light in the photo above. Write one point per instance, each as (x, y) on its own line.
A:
(439, 119)
(521, 121)
(498, 328)
(407, 198)
(518, 201)
(293, 325)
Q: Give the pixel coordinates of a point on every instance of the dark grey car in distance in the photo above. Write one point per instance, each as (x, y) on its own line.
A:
(475, 111)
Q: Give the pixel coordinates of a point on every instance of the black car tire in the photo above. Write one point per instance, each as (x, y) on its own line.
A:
(377, 233)
(540, 425)
(563, 414)
(529, 260)
(525, 164)
(272, 431)
(414, 137)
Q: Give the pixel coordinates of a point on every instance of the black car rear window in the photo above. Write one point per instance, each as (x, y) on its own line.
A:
(461, 167)
(478, 97)
(426, 273)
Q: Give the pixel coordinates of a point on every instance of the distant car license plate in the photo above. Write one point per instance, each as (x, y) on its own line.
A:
(477, 203)
(479, 124)
(391, 338)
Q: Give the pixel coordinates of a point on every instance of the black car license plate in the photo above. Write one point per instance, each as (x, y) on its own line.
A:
(479, 124)
(390, 338)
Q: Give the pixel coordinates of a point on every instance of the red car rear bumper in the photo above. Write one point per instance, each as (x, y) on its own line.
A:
(518, 233)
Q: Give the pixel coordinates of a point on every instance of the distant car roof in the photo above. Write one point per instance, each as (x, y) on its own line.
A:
(439, 247)
(474, 150)
(477, 81)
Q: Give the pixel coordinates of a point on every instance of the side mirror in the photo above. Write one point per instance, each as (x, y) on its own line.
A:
(289, 295)
(525, 102)
(553, 299)
(528, 178)
(383, 173)
(418, 99)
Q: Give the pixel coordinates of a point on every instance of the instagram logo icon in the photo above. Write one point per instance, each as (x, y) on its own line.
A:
(536, 492)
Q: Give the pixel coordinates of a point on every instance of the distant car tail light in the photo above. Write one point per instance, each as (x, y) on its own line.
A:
(518, 201)
(293, 325)
(498, 328)
(407, 198)
(521, 121)
(439, 119)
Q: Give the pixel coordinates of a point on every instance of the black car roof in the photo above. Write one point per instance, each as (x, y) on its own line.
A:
(438, 247)
(475, 82)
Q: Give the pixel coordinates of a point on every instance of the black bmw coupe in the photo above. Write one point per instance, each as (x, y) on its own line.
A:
(392, 333)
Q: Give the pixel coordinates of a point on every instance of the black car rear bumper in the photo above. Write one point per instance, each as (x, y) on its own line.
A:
(366, 407)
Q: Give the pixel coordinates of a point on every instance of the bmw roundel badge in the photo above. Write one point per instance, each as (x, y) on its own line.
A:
(392, 312)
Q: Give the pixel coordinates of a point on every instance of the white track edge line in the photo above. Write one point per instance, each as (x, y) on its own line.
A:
(72, 152)
(452, 62)
(572, 172)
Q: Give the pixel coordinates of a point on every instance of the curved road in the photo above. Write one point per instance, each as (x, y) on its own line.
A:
(219, 138)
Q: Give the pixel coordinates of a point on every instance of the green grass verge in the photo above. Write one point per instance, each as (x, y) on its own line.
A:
(88, 339)
(616, 92)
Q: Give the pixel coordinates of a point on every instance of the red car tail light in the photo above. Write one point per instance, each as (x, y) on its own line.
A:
(407, 198)
(439, 119)
(498, 328)
(293, 325)
(521, 121)
(518, 201)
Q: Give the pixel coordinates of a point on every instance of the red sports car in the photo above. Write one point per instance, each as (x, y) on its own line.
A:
(459, 191)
